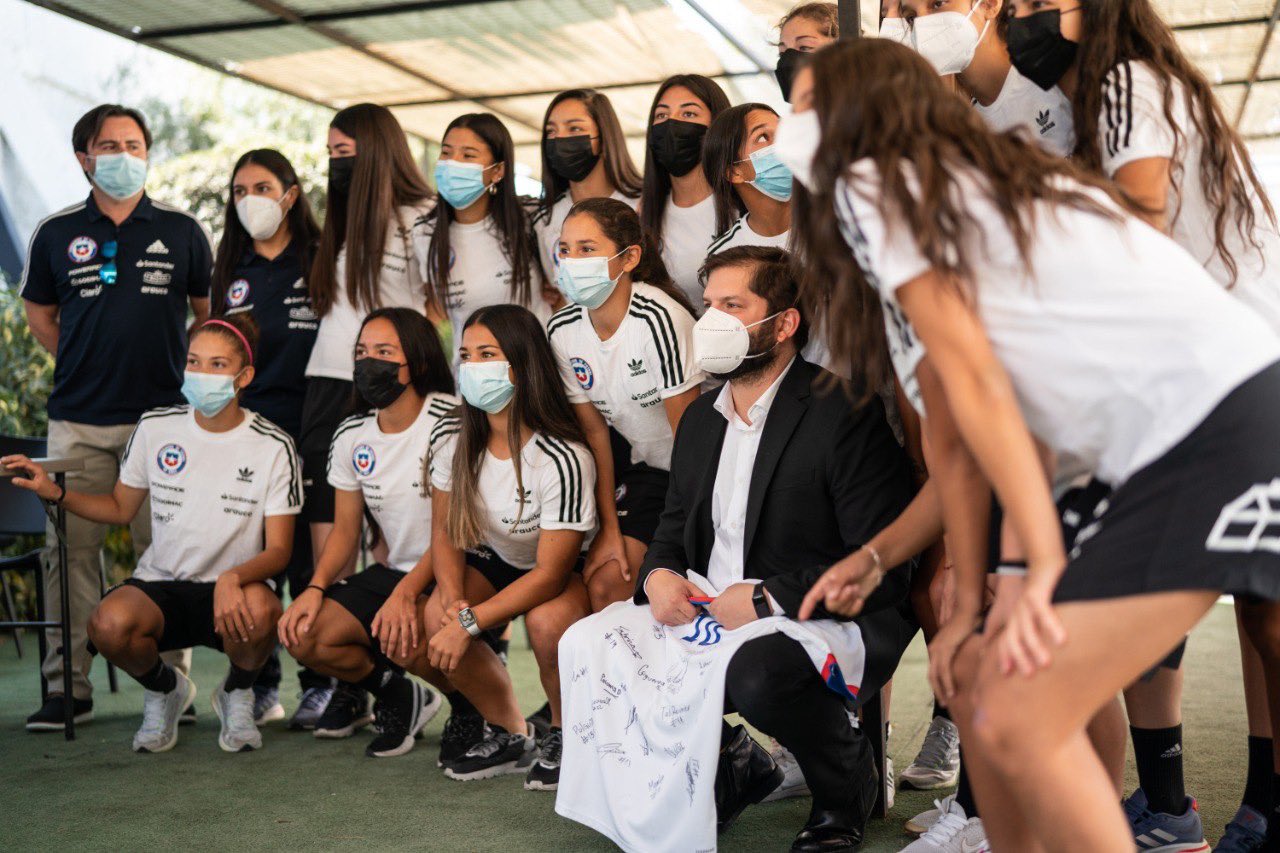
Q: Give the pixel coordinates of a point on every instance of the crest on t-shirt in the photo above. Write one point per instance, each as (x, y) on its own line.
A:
(582, 372)
(171, 458)
(237, 293)
(363, 459)
(81, 250)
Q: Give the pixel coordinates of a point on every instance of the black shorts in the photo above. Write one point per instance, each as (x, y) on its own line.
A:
(498, 572)
(1200, 517)
(641, 494)
(325, 404)
(187, 607)
(364, 593)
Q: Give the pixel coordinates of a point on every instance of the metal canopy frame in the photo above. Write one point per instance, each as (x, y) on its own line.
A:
(325, 25)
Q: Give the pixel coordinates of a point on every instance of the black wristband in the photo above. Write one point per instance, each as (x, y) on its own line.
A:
(62, 496)
(323, 591)
(761, 601)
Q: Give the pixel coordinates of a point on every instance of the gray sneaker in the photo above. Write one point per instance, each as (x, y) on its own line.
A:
(266, 705)
(938, 764)
(310, 707)
(160, 712)
(793, 783)
(235, 711)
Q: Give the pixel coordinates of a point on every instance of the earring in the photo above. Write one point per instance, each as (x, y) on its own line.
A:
(493, 188)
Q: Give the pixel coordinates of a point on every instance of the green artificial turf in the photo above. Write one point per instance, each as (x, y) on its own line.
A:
(301, 793)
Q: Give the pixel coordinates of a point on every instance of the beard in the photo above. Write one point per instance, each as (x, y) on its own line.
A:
(760, 357)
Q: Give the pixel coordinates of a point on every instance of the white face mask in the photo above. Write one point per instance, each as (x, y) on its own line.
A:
(895, 29)
(948, 39)
(721, 341)
(259, 215)
(796, 142)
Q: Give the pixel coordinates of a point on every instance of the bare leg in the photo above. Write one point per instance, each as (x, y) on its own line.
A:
(547, 624)
(1255, 682)
(336, 645)
(608, 585)
(126, 628)
(264, 608)
(1109, 735)
(1262, 622)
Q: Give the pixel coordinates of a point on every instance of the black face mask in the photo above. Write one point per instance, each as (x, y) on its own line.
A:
(677, 145)
(378, 381)
(1038, 49)
(788, 63)
(571, 157)
(340, 169)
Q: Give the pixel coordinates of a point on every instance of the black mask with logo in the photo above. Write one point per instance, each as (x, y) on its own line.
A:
(1038, 49)
(788, 64)
(340, 171)
(571, 157)
(378, 381)
(677, 145)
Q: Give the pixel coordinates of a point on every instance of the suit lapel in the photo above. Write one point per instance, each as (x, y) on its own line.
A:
(784, 415)
(705, 480)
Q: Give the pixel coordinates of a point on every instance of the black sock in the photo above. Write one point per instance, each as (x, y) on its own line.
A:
(375, 682)
(460, 706)
(1257, 787)
(159, 679)
(939, 711)
(964, 793)
(240, 679)
(501, 646)
(1159, 757)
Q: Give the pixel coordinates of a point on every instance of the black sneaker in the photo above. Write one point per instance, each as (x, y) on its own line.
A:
(461, 732)
(544, 775)
(499, 754)
(52, 715)
(347, 711)
(541, 721)
(404, 707)
(188, 715)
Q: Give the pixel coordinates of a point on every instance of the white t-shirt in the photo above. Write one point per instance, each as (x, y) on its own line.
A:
(547, 230)
(1044, 117)
(741, 233)
(399, 284)
(686, 233)
(648, 360)
(1118, 345)
(1133, 127)
(388, 469)
(479, 274)
(211, 492)
(559, 480)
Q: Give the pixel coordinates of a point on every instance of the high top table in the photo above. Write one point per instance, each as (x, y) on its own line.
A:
(57, 469)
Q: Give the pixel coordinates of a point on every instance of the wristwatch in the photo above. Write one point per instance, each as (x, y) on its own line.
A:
(761, 602)
(467, 619)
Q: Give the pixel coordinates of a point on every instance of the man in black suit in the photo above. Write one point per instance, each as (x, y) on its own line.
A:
(776, 476)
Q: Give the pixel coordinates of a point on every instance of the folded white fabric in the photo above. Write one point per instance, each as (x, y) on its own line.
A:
(642, 709)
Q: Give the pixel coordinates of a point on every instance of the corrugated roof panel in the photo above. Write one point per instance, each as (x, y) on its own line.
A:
(1230, 97)
(246, 45)
(1271, 61)
(431, 120)
(773, 10)
(339, 76)
(164, 14)
(1262, 116)
(1189, 12)
(1224, 53)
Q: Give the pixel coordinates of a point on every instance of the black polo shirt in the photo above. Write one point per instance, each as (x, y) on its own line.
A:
(121, 347)
(275, 292)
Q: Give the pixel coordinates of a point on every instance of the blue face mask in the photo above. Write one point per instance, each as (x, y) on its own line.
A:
(119, 175)
(586, 281)
(208, 393)
(484, 384)
(773, 178)
(460, 184)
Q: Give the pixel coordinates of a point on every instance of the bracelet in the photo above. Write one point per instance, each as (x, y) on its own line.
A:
(323, 591)
(62, 496)
(875, 557)
(1012, 568)
(760, 601)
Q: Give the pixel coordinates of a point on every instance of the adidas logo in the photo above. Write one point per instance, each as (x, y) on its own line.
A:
(525, 496)
(245, 475)
(1046, 123)
(636, 366)
(157, 248)
(1172, 752)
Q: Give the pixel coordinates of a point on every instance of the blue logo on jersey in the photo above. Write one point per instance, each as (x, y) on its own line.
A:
(364, 460)
(81, 250)
(582, 372)
(171, 458)
(237, 293)
(453, 257)
(706, 631)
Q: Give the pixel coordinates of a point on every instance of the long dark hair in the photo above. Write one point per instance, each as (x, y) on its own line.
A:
(539, 404)
(303, 228)
(1126, 31)
(720, 149)
(429, 370)
(505, 207)
(938, 138)
(657, 181)
(618, 167)
(621, 227)
(385, 178)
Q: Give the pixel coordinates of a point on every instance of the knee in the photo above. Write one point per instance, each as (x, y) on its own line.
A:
(547, 624)
(1001, 731)
(304, 650)
(1262, 623)
(110, 628)
(604, 589)
(755, 682)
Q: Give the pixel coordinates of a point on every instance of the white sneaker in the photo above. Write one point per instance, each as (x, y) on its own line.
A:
(946, 834)
(160, 713)
(793, 783)
(889, 787)
(920, 824)
(938, 763)
(973, 838)
(235, 712)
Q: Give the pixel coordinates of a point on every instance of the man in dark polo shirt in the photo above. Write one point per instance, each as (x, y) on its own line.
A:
(106, 290)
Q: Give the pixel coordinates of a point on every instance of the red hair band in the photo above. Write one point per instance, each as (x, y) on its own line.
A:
(248, 350)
